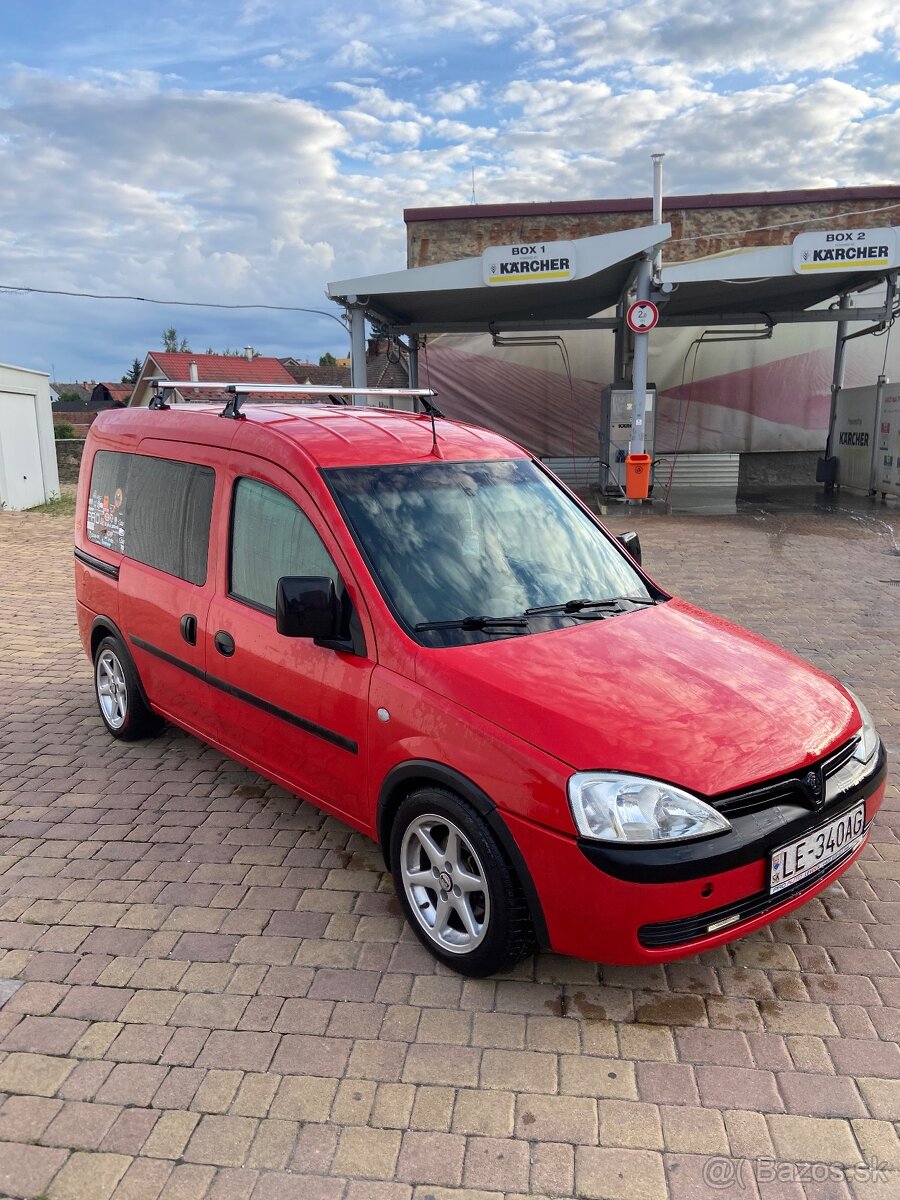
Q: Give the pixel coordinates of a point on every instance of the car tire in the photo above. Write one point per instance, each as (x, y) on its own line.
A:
(119, 696)
(458, 891)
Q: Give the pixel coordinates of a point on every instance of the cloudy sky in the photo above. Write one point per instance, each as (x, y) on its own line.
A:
(247, 151)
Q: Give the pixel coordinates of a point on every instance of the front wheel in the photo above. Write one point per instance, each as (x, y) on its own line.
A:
(118, 692)
(458, 891)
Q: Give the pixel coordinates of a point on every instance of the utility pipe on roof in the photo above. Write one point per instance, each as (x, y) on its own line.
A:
(657, 207)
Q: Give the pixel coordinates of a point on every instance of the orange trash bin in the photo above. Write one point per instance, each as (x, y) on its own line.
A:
(637, 476)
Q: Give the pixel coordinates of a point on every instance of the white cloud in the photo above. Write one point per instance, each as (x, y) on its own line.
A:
(356, 54)
(287, 56)
(175, 190)
(457, 99)
(705, 35)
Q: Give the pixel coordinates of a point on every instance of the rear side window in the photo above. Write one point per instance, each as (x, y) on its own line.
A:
(153, 510)
(271, 537)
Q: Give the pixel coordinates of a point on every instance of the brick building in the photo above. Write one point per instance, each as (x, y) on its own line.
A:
(701, 225)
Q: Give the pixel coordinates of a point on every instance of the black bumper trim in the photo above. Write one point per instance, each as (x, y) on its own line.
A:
(732, 916)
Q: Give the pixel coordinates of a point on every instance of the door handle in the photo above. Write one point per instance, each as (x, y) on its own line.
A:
(224, 643)
(188, 627)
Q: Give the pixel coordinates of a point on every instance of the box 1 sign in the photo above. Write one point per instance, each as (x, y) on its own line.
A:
(529, 262)
(844, 250)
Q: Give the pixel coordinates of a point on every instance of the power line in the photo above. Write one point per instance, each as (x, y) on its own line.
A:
(12, 288)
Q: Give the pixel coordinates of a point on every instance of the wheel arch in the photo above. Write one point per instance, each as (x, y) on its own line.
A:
(106, 627)
(406, 777)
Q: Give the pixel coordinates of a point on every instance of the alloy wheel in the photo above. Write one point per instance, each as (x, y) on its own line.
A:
(445, 884)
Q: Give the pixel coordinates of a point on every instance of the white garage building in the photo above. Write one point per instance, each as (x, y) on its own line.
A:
(28, 473)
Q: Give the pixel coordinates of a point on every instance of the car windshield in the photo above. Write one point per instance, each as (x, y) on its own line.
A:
(448, 541)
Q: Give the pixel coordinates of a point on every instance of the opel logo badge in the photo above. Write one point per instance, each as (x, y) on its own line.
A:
(813, 785)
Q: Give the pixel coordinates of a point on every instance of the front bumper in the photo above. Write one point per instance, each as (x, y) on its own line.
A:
(640, 904)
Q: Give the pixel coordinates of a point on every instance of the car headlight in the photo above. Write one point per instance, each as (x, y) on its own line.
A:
(868, 735)
(609, 807)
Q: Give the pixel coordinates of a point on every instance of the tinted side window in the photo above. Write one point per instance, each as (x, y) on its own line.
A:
(153, 510)
(271, 537)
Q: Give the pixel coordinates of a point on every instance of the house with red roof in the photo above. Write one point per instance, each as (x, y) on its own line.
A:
(111, 395)
(214, 370)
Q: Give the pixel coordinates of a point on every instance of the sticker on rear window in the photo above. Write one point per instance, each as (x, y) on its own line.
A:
(105, 524)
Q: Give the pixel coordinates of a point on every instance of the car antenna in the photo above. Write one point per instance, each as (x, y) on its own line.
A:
(432, 409)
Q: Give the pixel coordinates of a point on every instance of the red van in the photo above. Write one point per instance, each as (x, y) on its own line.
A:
(412, 624)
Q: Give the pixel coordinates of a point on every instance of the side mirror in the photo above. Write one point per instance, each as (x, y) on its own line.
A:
(632, 543)
(306, 606)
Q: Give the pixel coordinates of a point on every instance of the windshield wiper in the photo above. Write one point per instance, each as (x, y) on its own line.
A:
(576, 606)
(474, 623)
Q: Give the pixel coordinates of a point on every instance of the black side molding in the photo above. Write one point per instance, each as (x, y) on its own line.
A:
(97, 564)
(320, 731)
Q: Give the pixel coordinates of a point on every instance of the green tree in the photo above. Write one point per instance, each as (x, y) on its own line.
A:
(133, 375)
(171, 343)
(327, 360)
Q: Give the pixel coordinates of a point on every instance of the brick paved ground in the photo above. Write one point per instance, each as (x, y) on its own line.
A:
(209, 992)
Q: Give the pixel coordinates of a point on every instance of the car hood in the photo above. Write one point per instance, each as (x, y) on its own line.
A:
(669, 691)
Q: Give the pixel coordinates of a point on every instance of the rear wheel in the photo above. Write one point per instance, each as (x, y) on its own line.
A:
(118, 692)
(460, 894)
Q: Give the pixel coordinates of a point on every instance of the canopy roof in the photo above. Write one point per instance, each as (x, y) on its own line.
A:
(744, 287)
(453, 296)
(758, 285)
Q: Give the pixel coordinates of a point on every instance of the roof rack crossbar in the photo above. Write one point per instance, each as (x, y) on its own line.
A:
(239, 392)
(296, 389)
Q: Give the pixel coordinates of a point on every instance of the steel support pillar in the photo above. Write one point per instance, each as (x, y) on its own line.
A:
(413, 362)
(358, 376)
(639, 364)
(837, 374)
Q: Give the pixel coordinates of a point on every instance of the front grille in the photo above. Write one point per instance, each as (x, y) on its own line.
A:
(690, 929)
(788, 789)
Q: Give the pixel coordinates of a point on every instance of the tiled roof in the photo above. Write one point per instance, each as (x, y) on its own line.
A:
(214, 395)
(381, 371)
(78, 388)
(224, 368)
(118, 391)
(307, 372)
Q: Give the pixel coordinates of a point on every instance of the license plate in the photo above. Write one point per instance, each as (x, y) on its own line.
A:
(794, 862)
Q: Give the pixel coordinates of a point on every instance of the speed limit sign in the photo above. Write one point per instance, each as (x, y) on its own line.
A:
(642, 316)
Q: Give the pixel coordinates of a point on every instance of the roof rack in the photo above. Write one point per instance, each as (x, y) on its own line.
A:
(163, 393)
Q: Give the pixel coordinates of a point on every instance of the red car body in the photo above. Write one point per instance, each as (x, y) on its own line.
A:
(667, 692)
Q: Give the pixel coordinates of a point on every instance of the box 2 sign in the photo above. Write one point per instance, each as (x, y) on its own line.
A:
(844, 250)
(529, 262)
